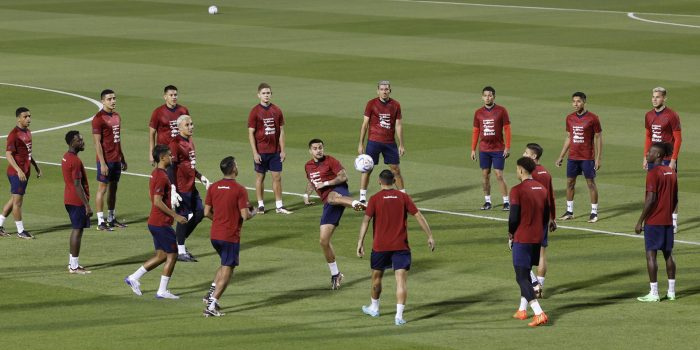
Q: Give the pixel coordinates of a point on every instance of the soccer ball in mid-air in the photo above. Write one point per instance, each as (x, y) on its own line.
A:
(213, 10)
(364, 163)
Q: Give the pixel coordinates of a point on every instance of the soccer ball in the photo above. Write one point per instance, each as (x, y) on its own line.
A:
(364, 163)
(213, 10)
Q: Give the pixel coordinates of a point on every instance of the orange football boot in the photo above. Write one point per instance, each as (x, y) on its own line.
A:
(520, 314)
(538, 320)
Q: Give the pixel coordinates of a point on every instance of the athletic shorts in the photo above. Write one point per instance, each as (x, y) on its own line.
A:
(665, 162)
(163, 238)
(17, 186)
(575, 168)
(332, 213)
(114, 172)
(397, 259)
(526, 254)
(489, 159)
(78, 217)
(228, 252)
(268, 162)
(658, 237)
(389, 151)
(191, 202)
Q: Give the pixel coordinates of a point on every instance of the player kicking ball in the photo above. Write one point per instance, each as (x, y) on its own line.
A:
(160, 224)
(327, 176)
(660, 202)
(76, 197)
(388, 208)
(227, 206)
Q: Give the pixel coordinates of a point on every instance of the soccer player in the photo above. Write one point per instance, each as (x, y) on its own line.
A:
(266, 136)
(227, 206)
(19, 156)
(106, 134)
(160, 223)
(76, 197)
(584, 142)
(662, 124)
(182, 173)
(527, 224)
(382, 125)
(389, 209)
(491, 123)
(327, 176)
(541, 175)
(163, 125)
(660, 202)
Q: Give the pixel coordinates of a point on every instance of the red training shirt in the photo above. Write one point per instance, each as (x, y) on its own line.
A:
(382, 119)
(389, 209)
(662, 180)
(109, 126)
(164, 121)
(325, 169)
(267, 122)
(543, 176)
(184, 161)
(531, 196)
(490, 123)
(159, 184)
(582, 130)
(73, 169)
(19, 142)
(227, 197)
(660, 128)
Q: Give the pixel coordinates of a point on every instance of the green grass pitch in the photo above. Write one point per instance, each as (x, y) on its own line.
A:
(323, 59)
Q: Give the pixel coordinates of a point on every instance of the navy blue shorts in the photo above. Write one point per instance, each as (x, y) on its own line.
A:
(16, 186)
(227, 251)
(526, 254)
(268, 162)
(191, 202)
(658, 237)
(332, 213)
(545, 240)
(113, 174)
(495, 159)
(665, 162)
(163, 238)
(575, 168)
(78, 217)
(397, 259)
(389, 151)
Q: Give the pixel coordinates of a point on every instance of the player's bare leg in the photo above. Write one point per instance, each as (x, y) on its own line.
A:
(652, 269)
(375, 293)
(221, 280)
(336, 198)
(74, 267)
(541, 273)
(570, 192)
(503, 187)
(401, 294)
(486, 185)
(671, 273)
(99, 206)
(155, 261)
(277, 190)
(364, 182)
(328, 252)
(593, 191)
(260, 189)
(396, 170)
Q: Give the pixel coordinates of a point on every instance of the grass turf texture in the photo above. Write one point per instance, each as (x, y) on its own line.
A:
(322, 59)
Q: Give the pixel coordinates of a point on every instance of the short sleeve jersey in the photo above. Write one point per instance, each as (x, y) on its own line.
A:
(109, 126)
(73, 169)
(531, 196)
(382, 119)
(390, 209)
(661, 125)
(543, 176)
(662, 181)
(582, 130)
(490, 123)
(164, 121)
(184, 161)
(267, 122)
(227, 197)
(19, 142)
(159, 185)
(325, 169)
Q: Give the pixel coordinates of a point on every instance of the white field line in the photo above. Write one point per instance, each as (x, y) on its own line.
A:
(633, 16)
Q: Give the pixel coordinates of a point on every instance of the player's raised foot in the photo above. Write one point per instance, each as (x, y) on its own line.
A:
(187, 257)
(593, 218)
(506, 207)
(670, 296)
(567, 216)
(486, 206)
(261, 210)
(116, 224)
(283, 210)
(166, 295)
(134, 284)
(538, 320)
(370, 311)
(359, 206)
(25, 235)
(520, 314)
(3, 233)
(79, 270)
(335, 281)
(213, 313)
(104, 227)
(399, 321)
(649, 298)
(538, 291)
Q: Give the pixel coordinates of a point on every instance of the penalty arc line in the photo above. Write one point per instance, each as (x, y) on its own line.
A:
(633, 16)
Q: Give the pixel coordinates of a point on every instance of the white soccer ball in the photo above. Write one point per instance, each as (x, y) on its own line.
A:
(364, 163)
(213, 10)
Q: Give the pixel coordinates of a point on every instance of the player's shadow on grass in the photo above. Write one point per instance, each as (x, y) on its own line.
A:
(620, 209)
(238, 277)
(594, 282)
(60, 228)
(263, 241)
(590, 303)
(689, 224)
(441, 192)
(443, 307)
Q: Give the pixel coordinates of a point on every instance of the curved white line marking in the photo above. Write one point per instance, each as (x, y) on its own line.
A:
(633, 16)
(95, 102)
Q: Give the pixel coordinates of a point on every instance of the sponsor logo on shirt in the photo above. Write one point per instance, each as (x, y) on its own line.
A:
(269, 124)
(537, 187)
(489, 127)
(223, 187)
(115, 132)
(668, 173)
(656, 133)
(193, 159)
(173, 129)
(578, 137)
(315, 177)
(390, 197)
(385, 121)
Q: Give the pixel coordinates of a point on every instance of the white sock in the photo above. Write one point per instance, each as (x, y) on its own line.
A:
(2, 220)
(654, 288)
(570, 206)
(541, 280)
(20, 226)
(399, 311)
(73, 261)
(334, 268)
(506, 199)
(487, 199)
(278, 204)
(138, 274)
(261, 203)
(375, 304)
(212, 303)
(363, 194)
(403, 190)
(672, 286)
(535, 306)
(674, 216)
(533, 278)
(594, 208)
(100, 217)
(181, 249)
(523, 304)
(110, 215)
(163, 284)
